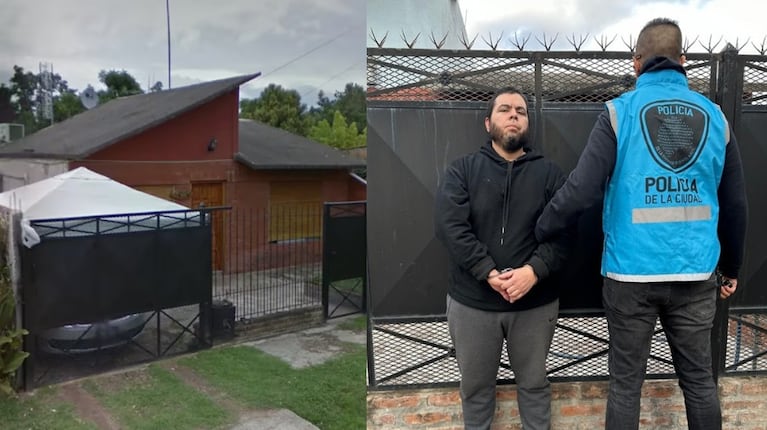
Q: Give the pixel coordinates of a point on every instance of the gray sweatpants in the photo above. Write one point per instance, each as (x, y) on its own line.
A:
(478, 339)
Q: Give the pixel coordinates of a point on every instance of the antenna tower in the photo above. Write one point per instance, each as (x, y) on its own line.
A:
(46, 91)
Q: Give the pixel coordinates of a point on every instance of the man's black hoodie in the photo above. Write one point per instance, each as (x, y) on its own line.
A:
(485, 214)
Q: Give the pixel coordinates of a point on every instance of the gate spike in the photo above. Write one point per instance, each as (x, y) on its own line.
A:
(520, 44)
(439, 44)
(378, 43)
(493, 44)
(603, 43)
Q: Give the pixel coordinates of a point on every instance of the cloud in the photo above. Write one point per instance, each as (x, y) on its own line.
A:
(208, 40)
(623, 19)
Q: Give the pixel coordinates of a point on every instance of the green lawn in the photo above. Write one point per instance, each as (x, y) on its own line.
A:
(156, 399)
(330, 395)
(39, 411)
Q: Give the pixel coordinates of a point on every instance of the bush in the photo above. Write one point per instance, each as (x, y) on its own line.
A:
(11, 338)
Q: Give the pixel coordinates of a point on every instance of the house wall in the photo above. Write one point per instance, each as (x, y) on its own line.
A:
(250, 195)
(170, 160)
(358, 189)
(15, 173)
(185, 137)
(575, 405)
(177, 177)
(175, 154)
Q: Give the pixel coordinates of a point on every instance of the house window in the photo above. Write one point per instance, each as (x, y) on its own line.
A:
(295, 210)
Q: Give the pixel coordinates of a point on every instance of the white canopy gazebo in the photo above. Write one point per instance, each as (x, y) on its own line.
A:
(78, 193)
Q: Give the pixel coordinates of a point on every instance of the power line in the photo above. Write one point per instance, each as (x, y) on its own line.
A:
(351, 66)
(321, 45)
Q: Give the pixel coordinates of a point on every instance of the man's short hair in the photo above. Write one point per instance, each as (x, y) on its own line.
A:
(660, 37)
(498, 92)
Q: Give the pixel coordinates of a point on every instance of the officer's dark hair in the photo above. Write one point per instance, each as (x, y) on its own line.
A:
(660, 37)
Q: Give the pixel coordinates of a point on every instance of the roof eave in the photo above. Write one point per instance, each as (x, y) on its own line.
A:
(256, 166)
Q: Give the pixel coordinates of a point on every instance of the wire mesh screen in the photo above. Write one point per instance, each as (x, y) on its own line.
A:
(585, 80)
(547, 77)
(420, 353)
(755, 82)
(747, 343)
(699, 77)
(428, 75)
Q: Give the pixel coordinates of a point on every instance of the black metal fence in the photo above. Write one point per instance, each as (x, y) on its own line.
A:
(426, 107)
(271, 263)
(303, 257)
(344, 262)
(100, 293)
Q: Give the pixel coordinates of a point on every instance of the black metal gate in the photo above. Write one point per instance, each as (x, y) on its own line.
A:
(92, 285)
(426, 108)
(344, 259)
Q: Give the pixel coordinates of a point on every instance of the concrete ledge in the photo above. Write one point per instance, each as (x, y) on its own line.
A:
(280, 323)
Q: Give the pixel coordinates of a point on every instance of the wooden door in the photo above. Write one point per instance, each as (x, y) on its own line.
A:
(211, 194)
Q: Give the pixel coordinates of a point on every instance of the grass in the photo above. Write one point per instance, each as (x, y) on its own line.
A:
(355, 324)
(156, 399)
(42, 410)
(352, 285)
(330, 395)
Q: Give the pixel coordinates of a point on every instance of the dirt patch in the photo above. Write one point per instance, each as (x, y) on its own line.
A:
(87, 407)
(192, 379)
(120, 380)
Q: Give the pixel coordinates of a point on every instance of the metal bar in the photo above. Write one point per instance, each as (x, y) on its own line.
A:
(582, 333)
(578, 361)
(747, 360)
(413, 339)
(414, 367)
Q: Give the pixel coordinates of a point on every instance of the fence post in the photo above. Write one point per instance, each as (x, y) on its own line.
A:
(729, 96)
(325, 282)
(538, 100)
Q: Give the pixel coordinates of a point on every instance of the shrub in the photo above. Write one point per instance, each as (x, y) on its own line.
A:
(11, 338)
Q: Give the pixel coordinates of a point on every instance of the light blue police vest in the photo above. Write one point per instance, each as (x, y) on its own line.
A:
(661, 210)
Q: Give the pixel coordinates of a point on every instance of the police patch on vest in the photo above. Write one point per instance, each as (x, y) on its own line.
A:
(674, 131)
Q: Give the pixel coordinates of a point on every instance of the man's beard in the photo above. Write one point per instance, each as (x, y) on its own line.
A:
(510, 142)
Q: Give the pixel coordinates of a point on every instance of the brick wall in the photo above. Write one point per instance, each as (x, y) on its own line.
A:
(575, 406)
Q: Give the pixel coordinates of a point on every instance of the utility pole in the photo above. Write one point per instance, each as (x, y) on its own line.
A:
(167, 16)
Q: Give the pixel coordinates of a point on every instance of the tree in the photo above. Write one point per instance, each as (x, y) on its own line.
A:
(119, 84)
(24, 86)
(66, 106)
(156, 87)
(26, 95)
(350, 102)
(277, 107)
(338, 134)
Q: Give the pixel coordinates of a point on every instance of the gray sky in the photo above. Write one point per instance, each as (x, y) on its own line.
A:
(707, 20)
(306, 45)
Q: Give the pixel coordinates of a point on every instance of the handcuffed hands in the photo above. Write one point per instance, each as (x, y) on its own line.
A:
(728, 287)
(513, 284)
